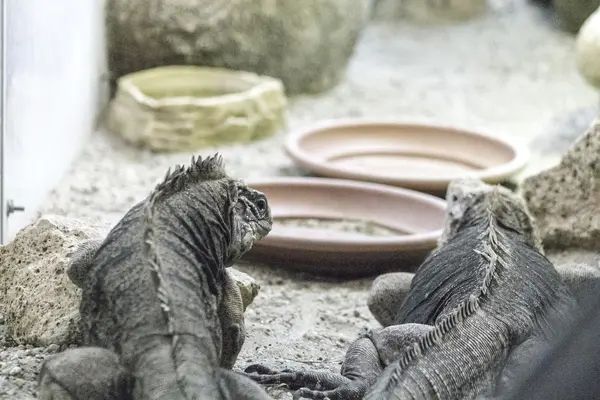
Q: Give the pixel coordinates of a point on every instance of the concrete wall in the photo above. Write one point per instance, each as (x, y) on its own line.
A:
(55, 61)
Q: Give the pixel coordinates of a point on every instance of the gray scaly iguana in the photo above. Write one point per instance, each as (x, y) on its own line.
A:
(478, 307)
(154, 309)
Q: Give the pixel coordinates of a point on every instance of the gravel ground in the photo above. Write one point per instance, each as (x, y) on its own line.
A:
(510, 72)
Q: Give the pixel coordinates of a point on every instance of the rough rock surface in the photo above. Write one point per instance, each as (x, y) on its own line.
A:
(587, 54)
(564, 199)
(573, 13)
(384, 305)
(306, 44)
(219, 106)
(39, 301)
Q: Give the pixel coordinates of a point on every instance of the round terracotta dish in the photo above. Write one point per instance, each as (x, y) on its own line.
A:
(347, 228)
(420, 157)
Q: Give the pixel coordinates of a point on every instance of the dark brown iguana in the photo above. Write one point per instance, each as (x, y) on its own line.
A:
(158, 306)
(478, 307)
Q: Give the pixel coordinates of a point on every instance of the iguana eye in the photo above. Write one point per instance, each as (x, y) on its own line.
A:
(261, 205)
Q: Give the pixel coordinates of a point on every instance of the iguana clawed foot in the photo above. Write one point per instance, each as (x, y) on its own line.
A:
(351, 390)
(323, 385)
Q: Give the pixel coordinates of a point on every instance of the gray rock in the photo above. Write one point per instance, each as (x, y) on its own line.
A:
(573, 13)
(39, 301)
(387, 294)
(53, 348)
(306, 44)
(564, 199)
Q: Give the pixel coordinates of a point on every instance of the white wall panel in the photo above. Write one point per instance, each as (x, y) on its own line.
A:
(55, 59)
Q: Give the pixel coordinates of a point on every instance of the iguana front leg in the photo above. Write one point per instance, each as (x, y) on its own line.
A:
(387, 294)
(81, 259)
(231, 315)
(85, 373)
(365, 360)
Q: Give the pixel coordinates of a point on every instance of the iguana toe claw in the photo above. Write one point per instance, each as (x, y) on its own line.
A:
(344, 392)
(288, 378)
(306, 393)
(260, 369)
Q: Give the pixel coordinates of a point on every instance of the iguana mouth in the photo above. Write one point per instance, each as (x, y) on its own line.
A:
(262, 229)
(256, 231)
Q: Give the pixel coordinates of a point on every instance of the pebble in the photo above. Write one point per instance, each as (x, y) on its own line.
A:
(53, 348)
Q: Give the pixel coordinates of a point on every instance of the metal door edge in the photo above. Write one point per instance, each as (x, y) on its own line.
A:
(3, 80)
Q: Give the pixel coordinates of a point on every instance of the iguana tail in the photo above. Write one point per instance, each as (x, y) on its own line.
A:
(158, 378)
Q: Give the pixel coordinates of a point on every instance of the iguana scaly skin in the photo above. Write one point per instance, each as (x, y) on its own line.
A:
(157, 295)
(231, 308)
(477, 309)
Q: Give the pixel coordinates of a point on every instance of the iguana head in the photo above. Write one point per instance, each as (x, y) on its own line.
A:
(229, 215)
(469, 200)
(251, 218)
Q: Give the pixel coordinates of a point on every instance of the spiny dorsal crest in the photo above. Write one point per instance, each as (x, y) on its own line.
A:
(471, 200)
(207, 169)
(435, 336)
(210, 168)
(495, 206)
(510, 211)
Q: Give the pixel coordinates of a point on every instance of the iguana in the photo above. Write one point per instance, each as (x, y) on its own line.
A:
(477, 308)
(157, 304)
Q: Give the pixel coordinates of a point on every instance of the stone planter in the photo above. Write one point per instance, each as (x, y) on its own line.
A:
(305, 43)
(182, 108)
(587, 50)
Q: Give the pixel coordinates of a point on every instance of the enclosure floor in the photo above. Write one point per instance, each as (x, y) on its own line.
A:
(510, 72)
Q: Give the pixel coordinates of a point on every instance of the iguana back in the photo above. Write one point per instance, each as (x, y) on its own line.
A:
(489, 291)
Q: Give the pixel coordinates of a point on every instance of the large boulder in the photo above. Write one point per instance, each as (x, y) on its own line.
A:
(39, 302)
(573, 13)
(306, 44)
(564, 199)
(587, 50)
